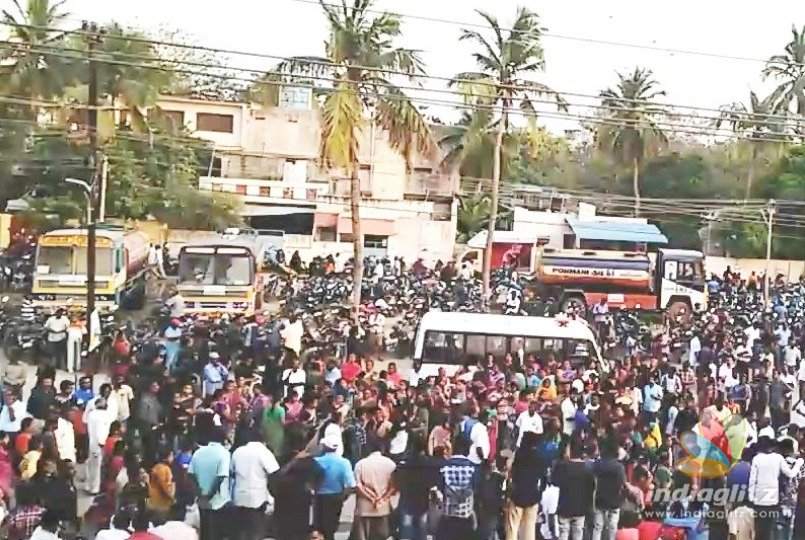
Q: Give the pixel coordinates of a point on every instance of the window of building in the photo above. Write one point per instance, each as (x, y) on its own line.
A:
(265, 191)
(220, 123)
(174, 118)
(326, 234)
(294, 97)
(240, 189)
(375, 241)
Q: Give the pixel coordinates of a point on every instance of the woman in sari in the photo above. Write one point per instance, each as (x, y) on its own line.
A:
(6, 467)
(274, 427)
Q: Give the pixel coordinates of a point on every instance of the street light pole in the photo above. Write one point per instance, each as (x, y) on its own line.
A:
(92, 39)
(771, 209)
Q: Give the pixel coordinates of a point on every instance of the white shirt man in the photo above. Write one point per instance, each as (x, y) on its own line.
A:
(529, 420)
(294, 380)
(792, 355)
(479, 442)
(251, 466)
(377, 322)
(752, 334)
(726, 376)
(124, 395)
(65, 439)
(6, 423)
(99, 420)
(764, 477)
(695, 348)
(177, 306)
(112, 405)
(568, 416)
(292, 335)
(56, 326)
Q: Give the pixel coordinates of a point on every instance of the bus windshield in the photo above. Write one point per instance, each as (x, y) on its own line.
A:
(215, 269)
(73, 260)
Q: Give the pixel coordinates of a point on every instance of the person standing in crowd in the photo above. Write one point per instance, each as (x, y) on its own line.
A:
(576, 483)
(161, 487)
(13, 413)
(610, 487)
(764, 484)
(98, 422)
(210, 470)
(374, 489)
(14, 375)
(215, 374)
(521, 511)
(252, 465)
(460, 483)
(336, 483)
(56, 326)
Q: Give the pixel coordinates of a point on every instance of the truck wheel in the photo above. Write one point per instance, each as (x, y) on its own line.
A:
(577, 303)
(680, 311)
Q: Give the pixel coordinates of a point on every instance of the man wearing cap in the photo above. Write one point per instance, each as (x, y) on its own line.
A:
(215, 374)
(337, 482)
(98, 423)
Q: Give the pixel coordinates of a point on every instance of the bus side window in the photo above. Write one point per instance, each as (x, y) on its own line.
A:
(670, 270)
(476, 346)
(496, 345)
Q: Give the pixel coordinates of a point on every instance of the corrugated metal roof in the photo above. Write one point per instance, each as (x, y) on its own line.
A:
(645, 233)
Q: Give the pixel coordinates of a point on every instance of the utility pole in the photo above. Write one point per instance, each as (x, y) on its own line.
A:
(769, 211)
(92, 39)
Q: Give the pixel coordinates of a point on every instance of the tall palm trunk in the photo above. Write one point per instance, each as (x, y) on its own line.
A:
(357, 237)
(636, 185)
(493, 209)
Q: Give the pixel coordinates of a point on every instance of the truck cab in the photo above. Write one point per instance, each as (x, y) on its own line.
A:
(680, 281)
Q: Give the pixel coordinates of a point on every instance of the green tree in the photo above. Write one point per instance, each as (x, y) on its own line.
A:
(359, 54)
(503, 63)
(629, 131)
(762, 124)
(29, 66)
(788, 70)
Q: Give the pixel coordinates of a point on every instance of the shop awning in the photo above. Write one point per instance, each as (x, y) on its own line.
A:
(376, 227)
(324, 220)
(617, 231)
(253, 210)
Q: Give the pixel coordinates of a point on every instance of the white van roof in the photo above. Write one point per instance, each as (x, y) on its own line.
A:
(506, 325)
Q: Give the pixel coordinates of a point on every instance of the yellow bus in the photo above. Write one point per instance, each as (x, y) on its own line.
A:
(223, 273)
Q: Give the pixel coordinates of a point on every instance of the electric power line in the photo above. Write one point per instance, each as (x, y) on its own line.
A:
(327, 63)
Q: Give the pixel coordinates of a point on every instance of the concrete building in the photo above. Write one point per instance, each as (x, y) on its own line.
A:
(269, 157)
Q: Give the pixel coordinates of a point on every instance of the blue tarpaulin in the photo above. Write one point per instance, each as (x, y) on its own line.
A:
(644, 233)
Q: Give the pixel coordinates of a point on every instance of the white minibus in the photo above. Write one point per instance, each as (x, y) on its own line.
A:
(454, 339)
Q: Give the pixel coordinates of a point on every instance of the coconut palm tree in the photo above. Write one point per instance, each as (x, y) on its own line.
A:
(359, 56)
(763, 124)
(789, 71)
(504, 61)
(628, 130)
(29, 63)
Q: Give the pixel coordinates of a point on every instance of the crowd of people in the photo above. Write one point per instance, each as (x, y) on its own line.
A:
(262, 440)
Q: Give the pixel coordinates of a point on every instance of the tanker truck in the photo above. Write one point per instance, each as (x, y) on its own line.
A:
(60, 272)
(672, 280)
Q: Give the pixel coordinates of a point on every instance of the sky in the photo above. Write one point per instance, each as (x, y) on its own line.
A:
(573, 65)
